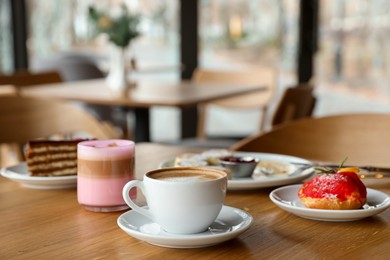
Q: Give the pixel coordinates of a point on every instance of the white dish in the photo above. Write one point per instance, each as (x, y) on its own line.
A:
(19, 173)
(255, 182)
(230, 223)
(287, 199)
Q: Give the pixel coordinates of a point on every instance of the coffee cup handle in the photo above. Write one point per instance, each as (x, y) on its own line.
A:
(130, 202)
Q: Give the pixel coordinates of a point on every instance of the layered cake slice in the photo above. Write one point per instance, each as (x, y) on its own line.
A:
(52, 158)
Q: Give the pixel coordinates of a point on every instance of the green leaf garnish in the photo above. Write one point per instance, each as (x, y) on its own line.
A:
(328, 170)
(342, 163)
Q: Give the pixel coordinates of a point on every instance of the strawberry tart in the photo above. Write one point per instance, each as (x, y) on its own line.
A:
(338, 190)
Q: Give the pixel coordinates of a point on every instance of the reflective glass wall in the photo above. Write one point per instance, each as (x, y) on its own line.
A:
(249, 32)
(353, 35)
(6, 57)
(231, 33)
(156, 49)
(354, 49)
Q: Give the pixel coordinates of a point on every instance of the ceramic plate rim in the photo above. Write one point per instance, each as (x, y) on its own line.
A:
(196, 239)
(38, 182)
(250, 183)
(329, 215)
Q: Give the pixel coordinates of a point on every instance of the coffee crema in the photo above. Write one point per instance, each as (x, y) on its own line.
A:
(185, 176)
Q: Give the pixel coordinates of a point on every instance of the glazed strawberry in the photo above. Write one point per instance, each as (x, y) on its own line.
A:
(338, 190)
(359, 184)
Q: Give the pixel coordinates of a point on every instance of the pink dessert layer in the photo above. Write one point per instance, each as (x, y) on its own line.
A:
(101, 192)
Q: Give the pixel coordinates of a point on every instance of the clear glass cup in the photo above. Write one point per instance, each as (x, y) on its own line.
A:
(103, 169)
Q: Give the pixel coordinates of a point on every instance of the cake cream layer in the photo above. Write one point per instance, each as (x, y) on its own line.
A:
(47, 148)
(39, 158)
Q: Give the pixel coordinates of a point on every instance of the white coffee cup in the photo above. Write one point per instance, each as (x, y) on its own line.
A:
(182, 200)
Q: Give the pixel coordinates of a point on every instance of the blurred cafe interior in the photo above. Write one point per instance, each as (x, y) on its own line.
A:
(336, 46)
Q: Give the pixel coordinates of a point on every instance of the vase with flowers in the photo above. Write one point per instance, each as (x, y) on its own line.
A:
(121, 29)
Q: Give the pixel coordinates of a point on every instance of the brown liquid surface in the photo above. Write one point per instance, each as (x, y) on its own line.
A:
(185, 176)
(105, 169)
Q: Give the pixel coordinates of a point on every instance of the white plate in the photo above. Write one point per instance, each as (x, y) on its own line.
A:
(230, 223)
(19, 173)
(287, 199)
(263, 181)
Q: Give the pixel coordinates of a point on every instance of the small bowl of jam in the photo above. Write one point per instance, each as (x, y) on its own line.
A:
(240, 167)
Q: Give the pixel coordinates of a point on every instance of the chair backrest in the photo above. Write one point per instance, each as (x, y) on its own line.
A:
(297, 102)
(72, 67)
(26, 78)
(363, 138)
(258, 76)
(25, 118)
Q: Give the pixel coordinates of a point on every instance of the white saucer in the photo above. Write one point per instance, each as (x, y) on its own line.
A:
(19, 173)
(287, 199)
(256, 182)
(230, 223)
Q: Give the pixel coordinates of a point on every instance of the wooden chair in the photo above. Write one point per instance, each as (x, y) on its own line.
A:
(26, 78)
(261, 77)
(363, 138)
(297, 102)
(23, 119)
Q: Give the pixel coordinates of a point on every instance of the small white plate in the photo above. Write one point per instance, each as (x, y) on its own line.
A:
(19, 173)
(287, 199)
(255, 182)
(230, 223)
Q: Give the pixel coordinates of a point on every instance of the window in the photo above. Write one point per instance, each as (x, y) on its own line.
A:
(354, 40)
(6, 62)
(156, 50)
(240, 33)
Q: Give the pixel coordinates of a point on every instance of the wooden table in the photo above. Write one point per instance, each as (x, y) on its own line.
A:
(184, 95)
(49, 224)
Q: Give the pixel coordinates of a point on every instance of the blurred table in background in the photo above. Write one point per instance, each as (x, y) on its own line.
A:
(184, 95)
